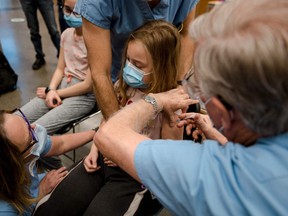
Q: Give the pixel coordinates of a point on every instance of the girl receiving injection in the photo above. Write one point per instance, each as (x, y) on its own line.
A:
(150, 65)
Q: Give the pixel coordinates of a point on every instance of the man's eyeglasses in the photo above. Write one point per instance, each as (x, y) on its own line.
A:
(67, 11)
(33, 135)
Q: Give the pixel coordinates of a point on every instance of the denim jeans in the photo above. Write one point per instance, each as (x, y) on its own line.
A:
(46, 9)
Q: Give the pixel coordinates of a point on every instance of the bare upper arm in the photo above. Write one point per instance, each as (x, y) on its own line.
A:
(61, 62)
(168, 132)
(119, 146)
(189, 19)
(97, 41)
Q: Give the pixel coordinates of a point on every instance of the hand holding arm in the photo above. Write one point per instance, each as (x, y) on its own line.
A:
(173, 100)
(126, 124)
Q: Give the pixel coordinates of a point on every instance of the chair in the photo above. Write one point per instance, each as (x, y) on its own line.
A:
(72, 126)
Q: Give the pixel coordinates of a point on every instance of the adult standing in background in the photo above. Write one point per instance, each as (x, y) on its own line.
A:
(46, 9)
(240, 63)
(106, 27)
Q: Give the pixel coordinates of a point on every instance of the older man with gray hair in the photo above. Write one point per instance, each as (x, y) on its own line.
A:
(240, 63)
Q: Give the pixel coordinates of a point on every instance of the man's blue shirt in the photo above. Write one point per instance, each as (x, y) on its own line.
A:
(122, 17)
(211, 179)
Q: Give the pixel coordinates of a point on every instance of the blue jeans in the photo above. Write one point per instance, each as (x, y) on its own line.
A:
(46, 9)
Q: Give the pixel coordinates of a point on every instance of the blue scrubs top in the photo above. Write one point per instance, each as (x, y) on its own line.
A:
(122, 17)
(211, 179)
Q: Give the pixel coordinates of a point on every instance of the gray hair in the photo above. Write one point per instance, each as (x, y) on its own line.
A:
(241, 55)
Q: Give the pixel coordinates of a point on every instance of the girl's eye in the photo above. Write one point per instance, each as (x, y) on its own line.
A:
(139, 66)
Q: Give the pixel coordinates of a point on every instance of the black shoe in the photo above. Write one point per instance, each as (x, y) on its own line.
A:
(38, 63)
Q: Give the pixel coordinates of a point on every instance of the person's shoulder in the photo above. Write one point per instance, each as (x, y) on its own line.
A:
(88, 6)
(103, 13)
(67, 33)
(69, 30)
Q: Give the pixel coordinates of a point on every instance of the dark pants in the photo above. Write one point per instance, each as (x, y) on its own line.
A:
(46, 9)
(107, 192)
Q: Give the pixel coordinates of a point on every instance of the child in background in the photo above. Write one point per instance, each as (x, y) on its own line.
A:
(150, 65)
(69, 95)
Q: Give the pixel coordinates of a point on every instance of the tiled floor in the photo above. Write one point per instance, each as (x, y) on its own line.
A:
(19, 51)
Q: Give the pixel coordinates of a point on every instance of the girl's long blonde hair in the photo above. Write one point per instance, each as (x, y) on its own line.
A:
(162, 41)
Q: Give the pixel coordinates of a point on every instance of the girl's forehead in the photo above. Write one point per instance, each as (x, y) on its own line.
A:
(10, 118)
(14, 124)
(137, 49)
(70, 2)
(16, 130)
(136, 45)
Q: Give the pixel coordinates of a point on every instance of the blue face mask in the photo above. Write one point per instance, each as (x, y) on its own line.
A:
(38, 148)
(73, 21)
(133, 76)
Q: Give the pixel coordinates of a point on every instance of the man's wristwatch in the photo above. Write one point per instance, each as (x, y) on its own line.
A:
(47, 89)
(152, 101)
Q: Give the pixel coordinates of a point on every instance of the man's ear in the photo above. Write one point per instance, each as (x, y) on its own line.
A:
(224, 114)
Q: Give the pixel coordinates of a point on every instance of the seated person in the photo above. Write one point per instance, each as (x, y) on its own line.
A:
(21, 144)
(150, 65)
(69, 95)
(240, 63)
